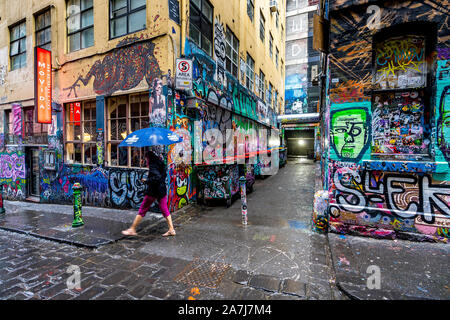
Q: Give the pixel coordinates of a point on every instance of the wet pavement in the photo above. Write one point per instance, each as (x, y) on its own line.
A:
(407, 270)
(213, 256)
(54, 222)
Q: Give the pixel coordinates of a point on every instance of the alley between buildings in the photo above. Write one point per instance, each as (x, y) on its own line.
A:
(213, 256)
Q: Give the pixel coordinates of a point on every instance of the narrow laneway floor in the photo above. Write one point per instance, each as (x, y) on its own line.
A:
(213, 256)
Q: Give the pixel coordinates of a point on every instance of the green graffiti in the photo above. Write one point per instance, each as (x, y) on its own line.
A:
(349, 132)
(77, 203)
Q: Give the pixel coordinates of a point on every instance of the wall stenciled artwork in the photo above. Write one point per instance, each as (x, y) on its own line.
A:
(122, 69)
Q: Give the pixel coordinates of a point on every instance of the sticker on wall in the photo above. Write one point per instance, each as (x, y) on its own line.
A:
(398, 123)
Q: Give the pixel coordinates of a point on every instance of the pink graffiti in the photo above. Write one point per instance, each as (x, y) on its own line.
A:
(12, 166)
(17, 114)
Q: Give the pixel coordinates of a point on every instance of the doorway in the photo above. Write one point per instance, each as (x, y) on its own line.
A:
(300, 143)
(32, 167)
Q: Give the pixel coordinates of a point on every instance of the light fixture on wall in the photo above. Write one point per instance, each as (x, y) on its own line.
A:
(301, 142)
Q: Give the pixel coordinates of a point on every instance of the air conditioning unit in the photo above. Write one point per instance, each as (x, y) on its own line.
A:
(273, 6)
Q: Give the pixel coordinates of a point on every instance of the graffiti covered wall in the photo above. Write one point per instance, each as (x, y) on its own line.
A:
(13, 174)
(384, 201)
(387, 171)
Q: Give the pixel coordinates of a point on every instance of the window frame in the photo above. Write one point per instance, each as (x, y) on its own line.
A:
(269, 94)
(18, 40)
(262, 85)
(262, 27)
(81, 29)
(10, 138)
(233, 50)
(248, 79)
(270, 45)
(92, 142)
(142, 98)
(277, 55)
(127, 15)
(251, 9)
(37, 30)
(209, 21)
(41, 134)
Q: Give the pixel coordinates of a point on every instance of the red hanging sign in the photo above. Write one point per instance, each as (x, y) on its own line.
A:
(43, 85)
(77, 113)
(71, 112)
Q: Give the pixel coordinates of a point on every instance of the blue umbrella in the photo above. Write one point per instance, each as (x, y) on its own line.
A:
(152, 136)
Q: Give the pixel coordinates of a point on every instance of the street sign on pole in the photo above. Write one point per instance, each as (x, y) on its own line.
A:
(183, 74)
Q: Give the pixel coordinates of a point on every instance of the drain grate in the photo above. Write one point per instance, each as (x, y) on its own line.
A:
(203, 273)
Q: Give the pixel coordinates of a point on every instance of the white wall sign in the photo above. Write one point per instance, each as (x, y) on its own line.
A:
(183, 74)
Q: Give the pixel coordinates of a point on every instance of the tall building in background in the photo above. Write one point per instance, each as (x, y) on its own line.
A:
(302, 62)
(300, 119)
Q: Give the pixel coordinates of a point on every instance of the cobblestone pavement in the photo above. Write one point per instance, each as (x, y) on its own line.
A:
(213, 256)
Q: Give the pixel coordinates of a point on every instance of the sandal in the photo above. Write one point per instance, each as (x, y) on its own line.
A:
(169, 233)
(128, 232)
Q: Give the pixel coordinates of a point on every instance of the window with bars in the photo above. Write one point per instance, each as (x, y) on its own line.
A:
(126, 114)
(43, 31)
(262, 27)
(201, 24)
(33, 132)
(80, 138)
(10, 138)
(250, 74)
(126, 16)
(80, 24)
(262, 79)
(18, 46)
(251, 9)
(232, 53)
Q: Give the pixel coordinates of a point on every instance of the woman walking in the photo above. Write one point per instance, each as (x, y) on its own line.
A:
(156, 191)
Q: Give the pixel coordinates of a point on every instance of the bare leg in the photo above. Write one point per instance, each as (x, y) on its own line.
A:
(166, 213)
(132, 230)
(171, 231)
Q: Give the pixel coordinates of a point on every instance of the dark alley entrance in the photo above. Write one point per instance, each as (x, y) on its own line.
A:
(300, 143)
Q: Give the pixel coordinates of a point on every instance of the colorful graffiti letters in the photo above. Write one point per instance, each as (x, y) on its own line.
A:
(126, 187)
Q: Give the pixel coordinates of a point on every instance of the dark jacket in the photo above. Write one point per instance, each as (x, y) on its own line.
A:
(156, 178)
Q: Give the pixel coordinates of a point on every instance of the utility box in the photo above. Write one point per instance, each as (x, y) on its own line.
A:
(321, 28)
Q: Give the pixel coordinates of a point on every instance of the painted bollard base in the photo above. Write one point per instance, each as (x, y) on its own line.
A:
(243, 182)
(77, 204)
(320, 213)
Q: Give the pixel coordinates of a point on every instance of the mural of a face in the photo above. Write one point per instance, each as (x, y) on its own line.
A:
(349, 133)
(444, 123)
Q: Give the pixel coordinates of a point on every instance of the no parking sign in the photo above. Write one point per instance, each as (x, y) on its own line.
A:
(183, 74)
